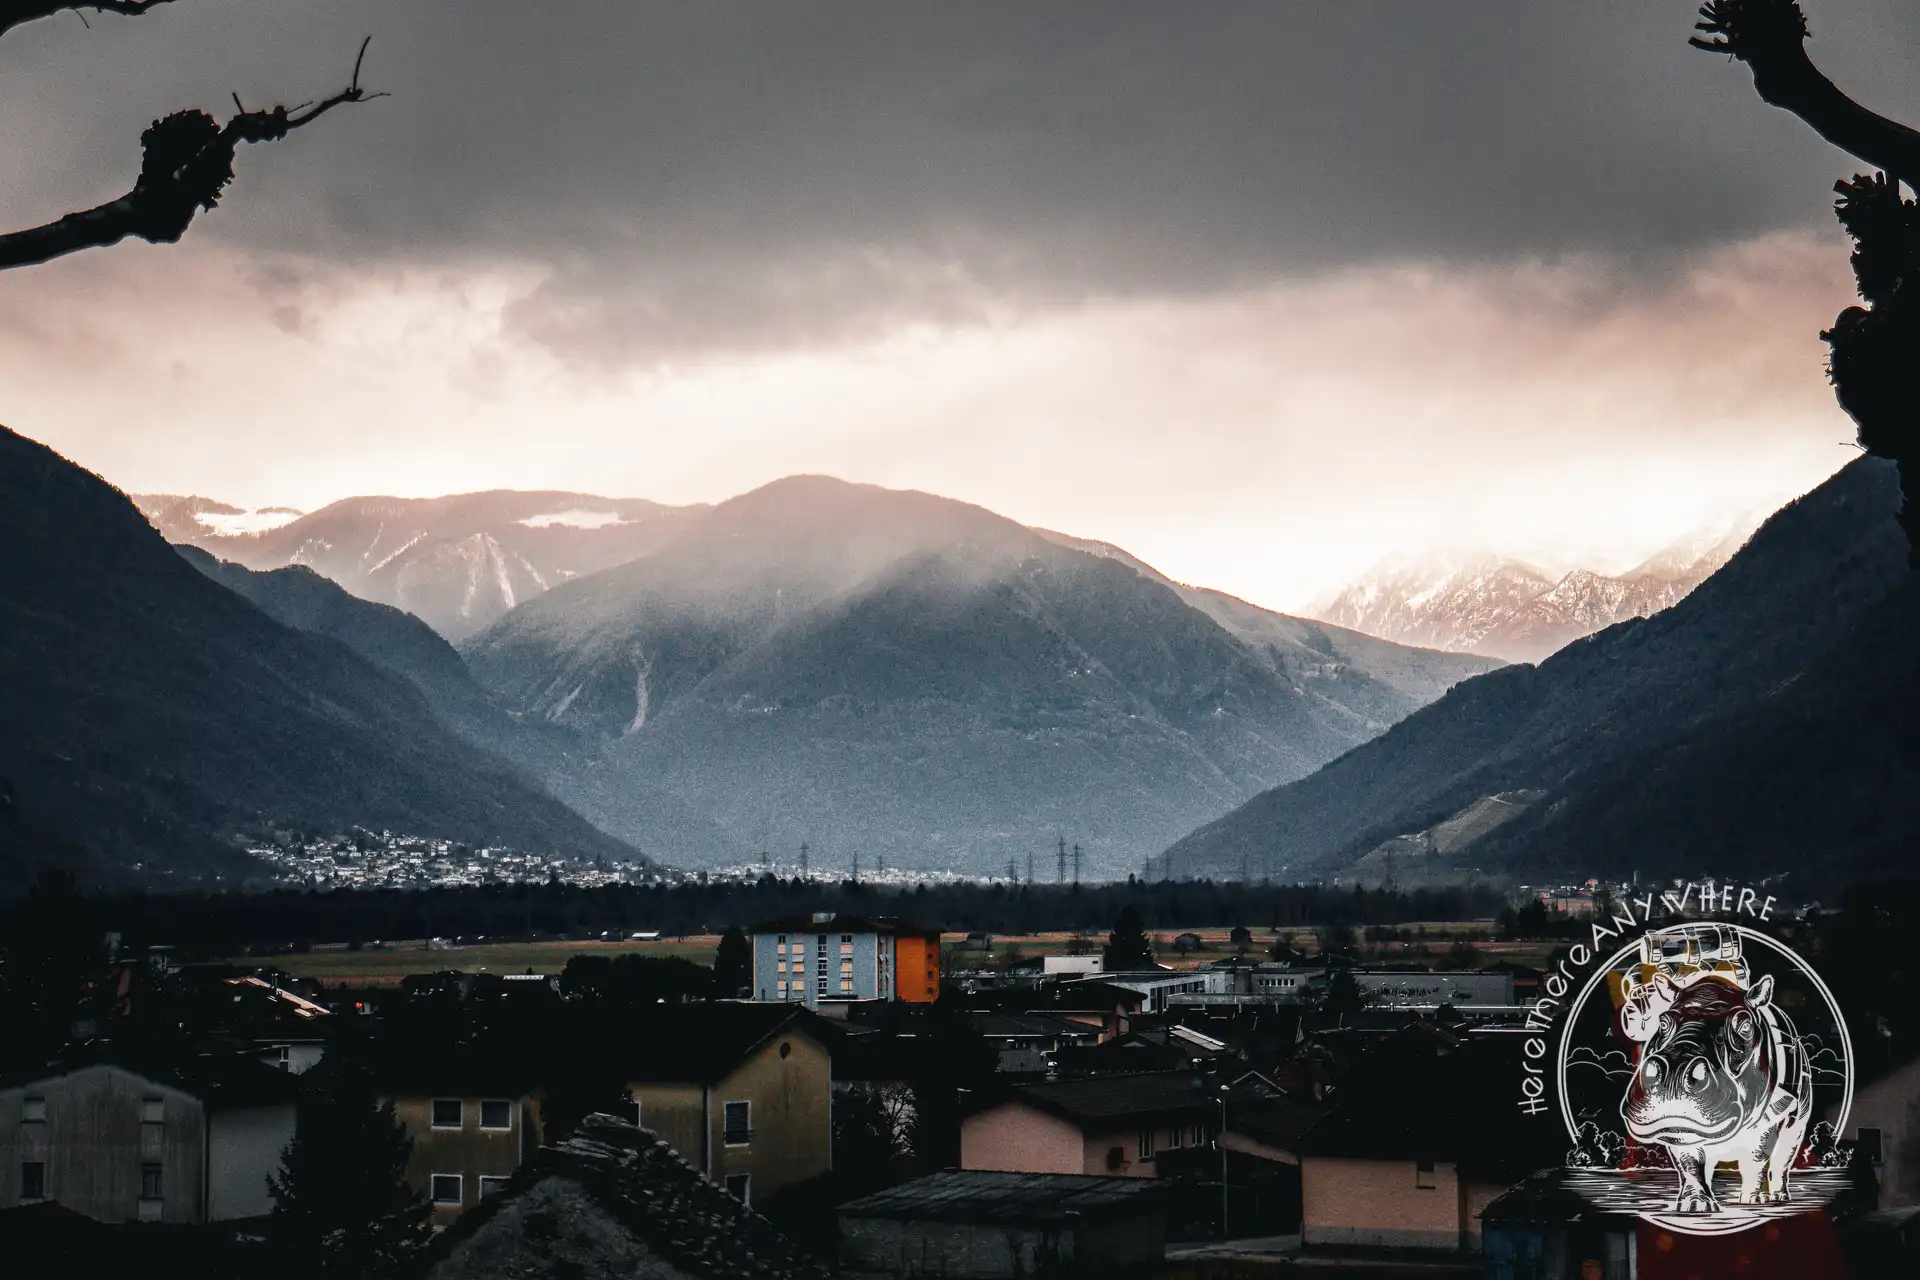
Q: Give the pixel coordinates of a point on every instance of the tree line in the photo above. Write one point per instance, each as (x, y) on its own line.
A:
(226, 924)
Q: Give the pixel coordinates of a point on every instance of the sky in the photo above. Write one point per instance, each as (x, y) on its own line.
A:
(1263, 292)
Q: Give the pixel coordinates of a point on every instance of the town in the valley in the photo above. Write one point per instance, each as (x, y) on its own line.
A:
(850, 1088)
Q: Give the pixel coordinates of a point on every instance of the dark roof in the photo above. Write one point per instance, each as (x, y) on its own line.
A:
(837, 922)
(701, 1043)
(219, 1080)
(1447, 1103)
(973, 1195)
(1120, 1097)
(1277, 1121)
(1026, 1025)
(1020, 1062)
(616, 1194)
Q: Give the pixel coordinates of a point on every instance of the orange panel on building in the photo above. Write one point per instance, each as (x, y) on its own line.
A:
(916, 968)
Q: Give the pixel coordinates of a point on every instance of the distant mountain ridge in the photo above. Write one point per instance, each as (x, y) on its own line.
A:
(153, 716)
(922, 680)
(1511, 610)
(1763, 723)
(458, 562)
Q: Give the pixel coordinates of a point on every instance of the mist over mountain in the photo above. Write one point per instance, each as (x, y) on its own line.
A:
(1512, 610)
(560, 759)
(1762, 723)
(458, 562)
(153, 715)
(923, 681)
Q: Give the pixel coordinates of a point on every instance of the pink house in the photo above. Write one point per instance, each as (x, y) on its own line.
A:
(1115, 1126)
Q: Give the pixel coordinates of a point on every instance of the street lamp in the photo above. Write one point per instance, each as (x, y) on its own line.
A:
(1223, 1162)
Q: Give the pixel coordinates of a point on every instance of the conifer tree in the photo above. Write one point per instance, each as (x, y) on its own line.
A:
(732, 964)
(342, 1206)
(1127, 946)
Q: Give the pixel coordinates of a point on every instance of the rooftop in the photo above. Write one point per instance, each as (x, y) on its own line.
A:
(1121, 1096)
(613, 1199)
(978, 1195)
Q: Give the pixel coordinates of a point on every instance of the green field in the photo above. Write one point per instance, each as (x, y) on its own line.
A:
(390, 963)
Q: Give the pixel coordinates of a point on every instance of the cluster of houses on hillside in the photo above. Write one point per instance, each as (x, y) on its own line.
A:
(1075, 1121)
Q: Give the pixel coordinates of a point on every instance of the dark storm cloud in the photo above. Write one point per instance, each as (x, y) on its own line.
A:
(708, 176)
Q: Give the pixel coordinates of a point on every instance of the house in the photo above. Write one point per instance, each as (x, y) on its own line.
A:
(471, 1122)
(740, 1089)
(1397, 1167)
(1158, 986)
(1042, 1032)
(1102, 1126)
(976, 1225)
(827, 958)
(284, 1029)
(1884, 1126)
(122, 1139)
(1107, 1010)
(613, 1199)
(1265, 1129)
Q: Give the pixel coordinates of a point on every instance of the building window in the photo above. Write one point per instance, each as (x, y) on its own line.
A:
(152, 1110)
(33, 1110)
(446, 1188)
(846, 986)
(1869, 1146)
(740, 1187)
(446, 1113)
(496, 1113)
(491, 1186)
(149, 1182)
(1146, 1144)
(1173, 1138)
(33, 1180)
(1423, 1175)
(846, 939)
(782, 939)
(737, 1122)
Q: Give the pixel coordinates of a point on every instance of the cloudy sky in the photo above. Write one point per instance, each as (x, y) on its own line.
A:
(1264, 292)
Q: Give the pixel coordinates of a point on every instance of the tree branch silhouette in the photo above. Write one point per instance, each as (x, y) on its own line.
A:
(185, 165)
(1874, 351)
(15, 12)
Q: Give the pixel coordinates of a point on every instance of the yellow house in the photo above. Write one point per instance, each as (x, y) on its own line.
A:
(471, 1128)
(743, 1091)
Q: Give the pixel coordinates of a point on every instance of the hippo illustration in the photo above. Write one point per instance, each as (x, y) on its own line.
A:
(1721, 1077)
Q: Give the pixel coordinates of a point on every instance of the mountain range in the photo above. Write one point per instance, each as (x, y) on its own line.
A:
(912, 678)
(1764, 723)
(459, 562)
(154, 718)
(1509, 609)
(882, 674)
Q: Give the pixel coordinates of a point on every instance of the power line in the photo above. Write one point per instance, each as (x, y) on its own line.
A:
(1076, 866)
(1063, 859)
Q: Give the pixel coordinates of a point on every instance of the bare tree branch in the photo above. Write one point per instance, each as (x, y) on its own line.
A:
(15, 12)
(186, 163)
(1770, 37)
(1874, 351)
